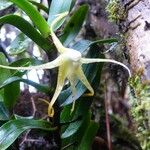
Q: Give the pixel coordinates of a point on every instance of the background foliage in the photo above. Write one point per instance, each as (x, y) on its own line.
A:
(32, 45)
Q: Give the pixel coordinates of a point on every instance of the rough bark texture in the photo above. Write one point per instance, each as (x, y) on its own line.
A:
(138, 37)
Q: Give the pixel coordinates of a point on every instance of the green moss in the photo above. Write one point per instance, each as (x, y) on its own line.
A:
(115, 10)
(141, 109)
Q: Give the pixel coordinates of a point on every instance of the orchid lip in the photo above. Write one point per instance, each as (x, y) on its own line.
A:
(73, 55)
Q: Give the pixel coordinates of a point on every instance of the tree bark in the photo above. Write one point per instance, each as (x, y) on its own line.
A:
(138, 37)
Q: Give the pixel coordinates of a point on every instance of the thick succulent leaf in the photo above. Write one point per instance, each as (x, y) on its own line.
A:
(27, 29)
(10, 131)
(88, 136)
(82, 117)
(6, 94)
(22, 117)
(40, 6)
(10, 87)
(85, 134)
(4, 73)
(77, 118)
(34, 15)
(15, 79)
(74, 25)
(11, 94)
(11, 84)
(72, 129)
(72, 4)
(19, 45)
(4, 114)
(105, 41)
(57, 7)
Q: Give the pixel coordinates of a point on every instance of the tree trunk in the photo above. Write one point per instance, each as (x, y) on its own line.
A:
(138, 37)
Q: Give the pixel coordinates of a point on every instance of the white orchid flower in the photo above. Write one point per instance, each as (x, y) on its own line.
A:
(70, 63)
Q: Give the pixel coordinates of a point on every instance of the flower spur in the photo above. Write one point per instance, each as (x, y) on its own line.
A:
(70, 63)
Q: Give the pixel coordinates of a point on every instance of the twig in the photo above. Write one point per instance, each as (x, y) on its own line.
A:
(25, 137)
(67, 146)
(33, 106)
(107, 121)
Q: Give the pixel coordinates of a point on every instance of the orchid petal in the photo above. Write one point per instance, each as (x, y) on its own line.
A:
(72, 79)
(93, 60)
(62, 73)
(55, 63)
(56, 41)
(83, 79)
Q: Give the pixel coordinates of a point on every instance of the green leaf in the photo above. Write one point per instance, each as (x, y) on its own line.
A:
(75, 122)
(34, 15)
(66, 116)
(11, 85)
(40, 6)
(22, 117)
(76, 129)
(14, 79)
(11, 94)
(81, 113)
(77, 117)
(72, 128)
(89, 136)
(4, 114)
(72, 4)
(74, 25)
(4, 74)
(105, 41)
(27, 29)
(57, 7)
(12, 129)
(86, 132)
(4, 4)
(19, 45)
